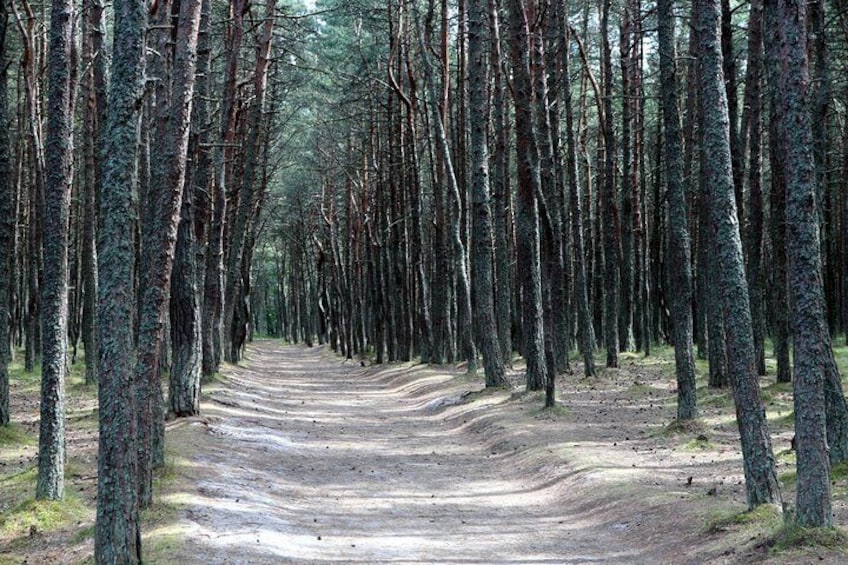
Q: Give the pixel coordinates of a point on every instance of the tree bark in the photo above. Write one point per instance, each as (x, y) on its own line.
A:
(612, 244)
(585, 327)
(478, 78)
(158, 243)
(813, 358)
(529, 186)
(54, 291)
(7, 231)
(117, 536)
(678, 242)
(758, 458)
(250, 192)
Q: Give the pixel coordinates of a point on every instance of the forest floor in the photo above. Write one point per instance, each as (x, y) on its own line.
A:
(302, 457)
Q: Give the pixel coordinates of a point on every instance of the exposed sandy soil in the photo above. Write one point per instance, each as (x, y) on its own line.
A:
(302, 457)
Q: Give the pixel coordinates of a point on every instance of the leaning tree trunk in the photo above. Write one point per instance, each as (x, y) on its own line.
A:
(478, 78)
(54, 290)
(813, 355)
(758, 458)
(251, 193)
(117, 537)
(678, 241)
(463, 286)
(213, 286)
(158, 244)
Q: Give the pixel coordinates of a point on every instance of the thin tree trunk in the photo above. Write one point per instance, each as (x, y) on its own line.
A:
(610, 209)
(585, 328)
(500, 185)
(478, 78)
(54, 291)
(250, 191)
(7, 231)
(464, 297)
(213, 293)
(678, 241)
(94, 96)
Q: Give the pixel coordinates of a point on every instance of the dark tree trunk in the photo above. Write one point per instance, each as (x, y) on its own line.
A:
(777, 204)
(478, 78)
(7, 231)
(813, 357)
(158, 242)
(501, 192)
(529, 186)
(54, 291)
(250, 194)
(186, 344)
(94, 97)
(678, 241)
(752, 120)
(463, 286)
(758, 458)
(612, 245)
(117, 536)
(213, 286)
(585, 328)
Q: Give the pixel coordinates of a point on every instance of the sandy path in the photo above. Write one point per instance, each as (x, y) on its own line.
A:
(306, 459)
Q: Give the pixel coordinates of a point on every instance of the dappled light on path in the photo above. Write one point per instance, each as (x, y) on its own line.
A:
(307, 459)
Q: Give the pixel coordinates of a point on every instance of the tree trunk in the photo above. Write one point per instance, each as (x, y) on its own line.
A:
(678, 241)
(758, 459)
(612, 244)
(529, 186)
(117, 536)
(94, 95)
(464, 293)
(7, 231)
(478, 78)
(813, 358)
(499, 180)
(158, 242)
(752, 120)
(250, 192)
(54, 291)
(585, 328)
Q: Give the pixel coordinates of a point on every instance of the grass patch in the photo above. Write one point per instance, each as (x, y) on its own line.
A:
(714, 397)
(699, 443)
(763, 517)
(44, 516)
(15, 435)
(787, 479)
(793, 536)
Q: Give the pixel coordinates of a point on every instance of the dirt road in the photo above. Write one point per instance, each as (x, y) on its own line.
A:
(303, 458)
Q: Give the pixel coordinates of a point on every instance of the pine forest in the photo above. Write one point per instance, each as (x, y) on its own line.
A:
(423, 281)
